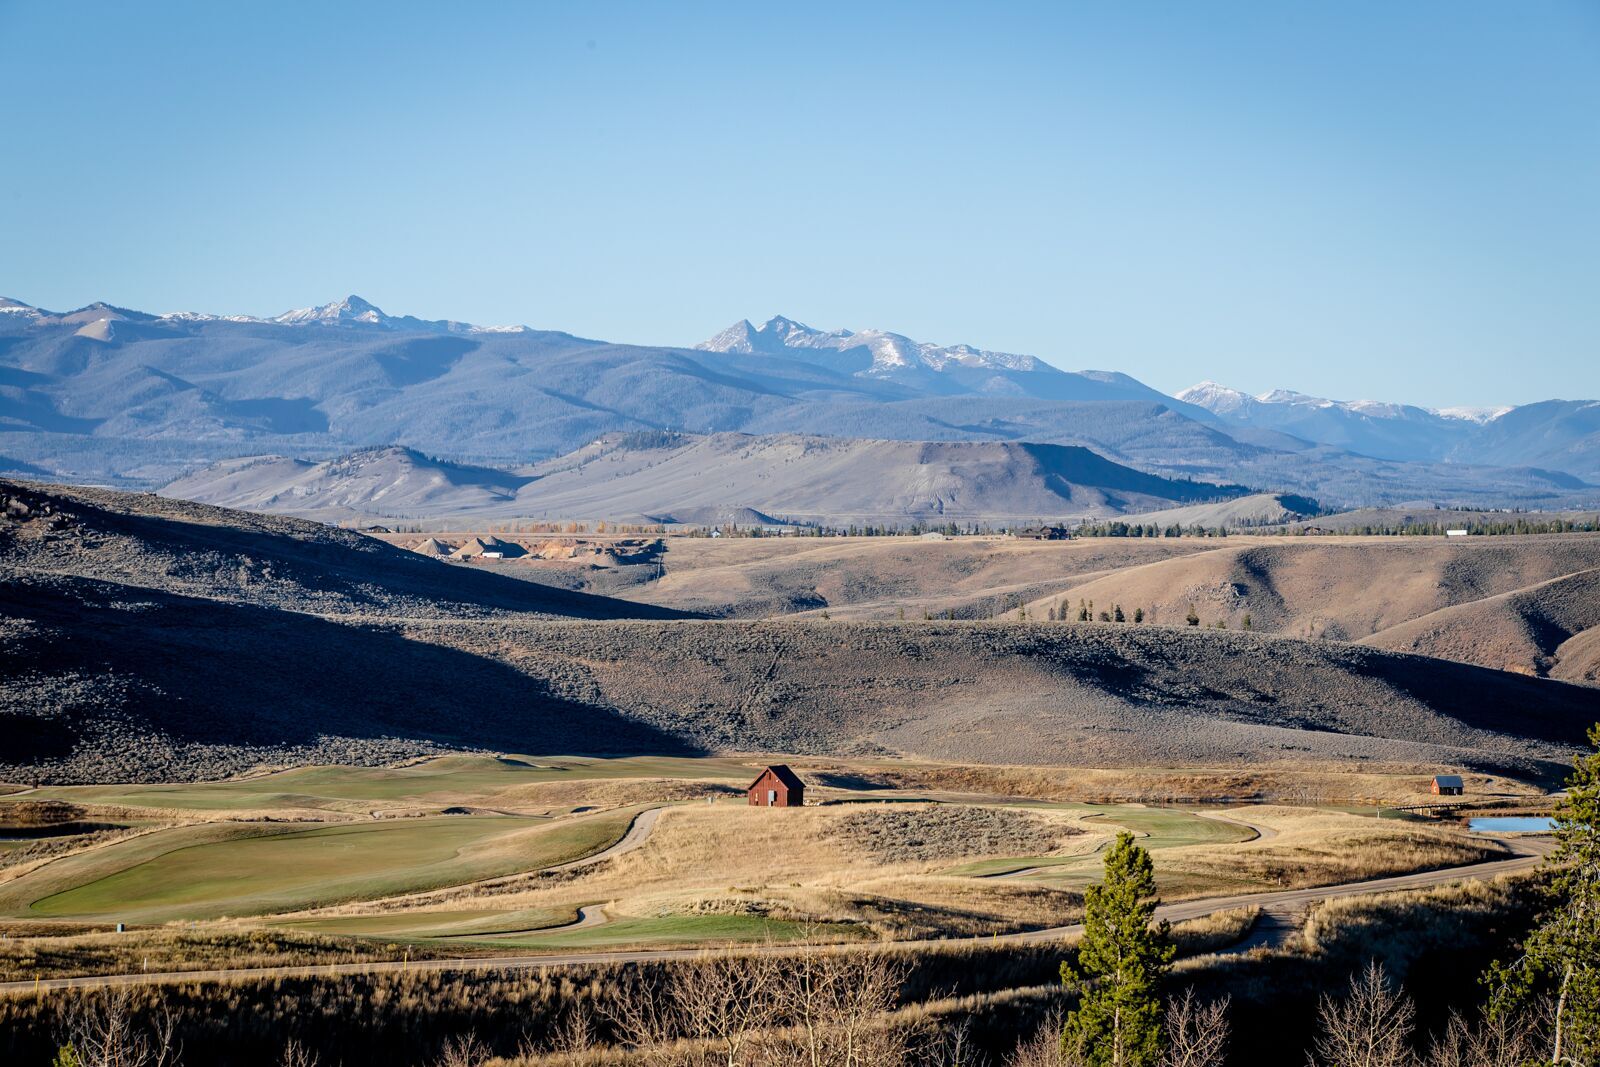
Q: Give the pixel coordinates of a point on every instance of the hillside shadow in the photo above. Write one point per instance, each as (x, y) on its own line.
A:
(1491, 700)
(421, 359)
(128, 665)
(368, 573)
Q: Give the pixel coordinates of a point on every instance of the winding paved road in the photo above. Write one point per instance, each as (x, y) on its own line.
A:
(1279, 910)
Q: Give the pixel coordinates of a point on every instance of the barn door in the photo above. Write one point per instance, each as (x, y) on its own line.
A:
(772, 798)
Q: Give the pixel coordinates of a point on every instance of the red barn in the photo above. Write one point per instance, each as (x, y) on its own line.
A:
(777, 787)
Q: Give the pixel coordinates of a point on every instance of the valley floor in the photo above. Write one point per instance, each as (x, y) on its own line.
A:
(490, 856)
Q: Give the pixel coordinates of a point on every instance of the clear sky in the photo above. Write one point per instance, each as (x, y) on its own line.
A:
(1383, 200)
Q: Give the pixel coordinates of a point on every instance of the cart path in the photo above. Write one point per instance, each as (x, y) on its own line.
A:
(1279, 909)
(638, 833)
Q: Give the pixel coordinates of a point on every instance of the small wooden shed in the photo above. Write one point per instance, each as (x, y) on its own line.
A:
(777, 787)
(1448, 785)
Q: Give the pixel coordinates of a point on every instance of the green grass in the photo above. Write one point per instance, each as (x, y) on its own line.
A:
(672, 929)
(448, 779)
(1159, 828)
(256, 870)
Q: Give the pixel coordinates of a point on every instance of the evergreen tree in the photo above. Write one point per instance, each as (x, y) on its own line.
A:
(1116, 613)
(1561, 957)
(1138, 615)
(1083, 611)
(1120, 963)
(1192, 619)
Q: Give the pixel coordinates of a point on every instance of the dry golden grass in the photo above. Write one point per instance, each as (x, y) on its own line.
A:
(1302, 784)
(808, 866)
(25, 958)
(1352, 920)
(1215, 931)
(1314, 848)
(792, 864)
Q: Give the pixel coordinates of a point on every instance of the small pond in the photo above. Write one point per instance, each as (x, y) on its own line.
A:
(1512, 824)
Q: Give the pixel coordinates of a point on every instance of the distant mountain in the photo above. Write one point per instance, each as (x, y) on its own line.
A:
(682, 478)
(112, 395)
(1383, 431)
(942, 370)
(1555, 435)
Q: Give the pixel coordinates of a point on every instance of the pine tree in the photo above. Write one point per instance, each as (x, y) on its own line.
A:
(1192, 619)
(1138, 615)
(1120, 963)
(1083, 611)
(1561, 957)
(1116, 613)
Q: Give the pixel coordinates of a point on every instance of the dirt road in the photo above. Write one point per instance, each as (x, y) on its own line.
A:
(1279, 909)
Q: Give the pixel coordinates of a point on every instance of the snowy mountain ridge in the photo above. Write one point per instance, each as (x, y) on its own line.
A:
(890, 352)
(1226, 401)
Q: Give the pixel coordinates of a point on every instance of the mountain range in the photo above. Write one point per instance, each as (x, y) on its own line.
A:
(112, 395)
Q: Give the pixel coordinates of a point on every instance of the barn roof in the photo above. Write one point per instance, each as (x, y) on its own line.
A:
(1451, 780)
(782, 772)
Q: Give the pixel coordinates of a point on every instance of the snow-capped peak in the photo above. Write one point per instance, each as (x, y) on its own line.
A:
(1470, 414)
(889, 353)
(354, 311)
(351, 309)
(1216, 398)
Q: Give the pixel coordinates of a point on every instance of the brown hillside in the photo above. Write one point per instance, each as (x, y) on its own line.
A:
(877, 577)
(1524, 631)
(1338, 588)
(107, 686)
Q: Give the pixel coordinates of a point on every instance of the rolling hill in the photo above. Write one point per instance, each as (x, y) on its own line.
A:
(142, 543)
(149, 639)
(680, 478)
(1510, 603)
(1548, 628)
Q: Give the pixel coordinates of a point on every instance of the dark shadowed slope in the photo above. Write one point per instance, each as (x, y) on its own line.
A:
(104, 686)
(103, 682)
(148, 542)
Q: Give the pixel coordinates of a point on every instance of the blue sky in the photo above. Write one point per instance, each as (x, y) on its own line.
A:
(1362, 199)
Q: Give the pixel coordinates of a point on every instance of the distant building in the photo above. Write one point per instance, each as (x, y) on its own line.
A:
(777, 787)
(492, 555)
(1043, 533)
(1448, 785)
(1455, 533)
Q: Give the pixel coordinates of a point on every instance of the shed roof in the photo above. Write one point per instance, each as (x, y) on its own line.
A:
(1452, 780)
(782, 772)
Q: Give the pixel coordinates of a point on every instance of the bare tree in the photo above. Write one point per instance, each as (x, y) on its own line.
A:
(1045, 1048)
(727, 999)
(575, 1034)
(1197, 1034)
(1370, 1027)
(464, 1050)
(1497, 1040)
(103, 1031)
(297, 1055)
(951, 1046)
